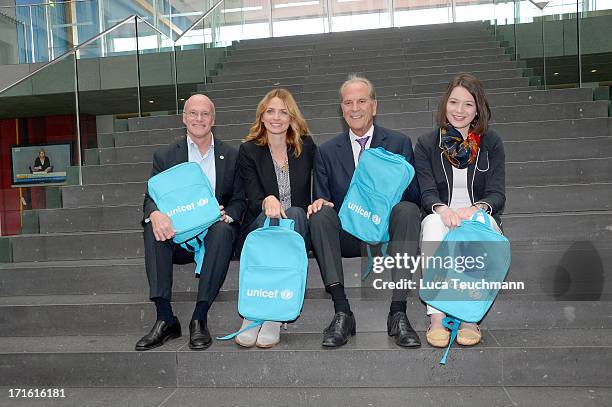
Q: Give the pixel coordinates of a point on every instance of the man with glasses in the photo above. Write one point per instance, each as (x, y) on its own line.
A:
(334, 164)
(218, 161)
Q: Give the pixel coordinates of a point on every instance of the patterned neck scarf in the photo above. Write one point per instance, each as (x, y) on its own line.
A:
(459, 152)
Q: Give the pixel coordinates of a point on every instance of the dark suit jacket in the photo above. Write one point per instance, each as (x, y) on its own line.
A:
(258, 176)
(228, 188)
(44, 165)
(334, 165)
(487, 174)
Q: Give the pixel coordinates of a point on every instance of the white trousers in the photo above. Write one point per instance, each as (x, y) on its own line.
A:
(433, 230)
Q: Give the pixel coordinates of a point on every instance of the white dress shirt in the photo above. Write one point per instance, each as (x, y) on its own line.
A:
(206, 161)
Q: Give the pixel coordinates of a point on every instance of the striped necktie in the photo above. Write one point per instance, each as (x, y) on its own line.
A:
(362, 143)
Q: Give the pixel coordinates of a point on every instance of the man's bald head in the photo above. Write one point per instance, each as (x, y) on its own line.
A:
(198, 100)
(199, 117)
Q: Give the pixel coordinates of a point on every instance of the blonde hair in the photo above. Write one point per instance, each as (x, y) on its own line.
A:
(298, 128)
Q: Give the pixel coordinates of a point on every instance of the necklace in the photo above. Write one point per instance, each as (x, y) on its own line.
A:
(285, 164)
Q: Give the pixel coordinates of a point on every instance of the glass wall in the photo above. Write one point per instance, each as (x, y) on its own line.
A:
(408, 13)
(299, 17)
(359, 15)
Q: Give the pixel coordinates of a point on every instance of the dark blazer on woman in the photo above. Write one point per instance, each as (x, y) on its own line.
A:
(486, 177)
(259, 178)
(44, 165)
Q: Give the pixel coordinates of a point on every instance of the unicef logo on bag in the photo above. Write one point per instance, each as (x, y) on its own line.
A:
(376, 219)
(287, 295)
(202, 202)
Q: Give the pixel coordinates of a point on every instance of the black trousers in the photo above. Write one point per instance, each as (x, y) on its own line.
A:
(330, 243)
(161, 256)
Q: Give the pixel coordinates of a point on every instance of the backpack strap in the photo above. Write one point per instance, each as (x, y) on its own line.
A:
(370, 266)
(284, 223)
(485, 217)
(452, 324)
(196, 246)
(232, 336)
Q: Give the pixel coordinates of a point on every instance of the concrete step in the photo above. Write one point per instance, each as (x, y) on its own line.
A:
(335, 40)
(123, 155)
(227, 81)
(381, 48)
(540, 151)
(360, 67)
(552, 255)
(442, 57)
(501, 114)
(334, 124)
(131, 193)
(426, 88)
(394, 104)
(370, 359)
(376, 49)
(100, 218)
(393, 78)
(322, 41)
(122, 243)
(402, 80)
(559, 198)
(565, 171)
(568, 128)
(518, 173)
(492, 396)
(387, 104)
(99, 174)
(414, 34)
(118, 314)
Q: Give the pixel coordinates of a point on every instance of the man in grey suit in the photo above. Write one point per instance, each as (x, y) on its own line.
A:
(218, 161)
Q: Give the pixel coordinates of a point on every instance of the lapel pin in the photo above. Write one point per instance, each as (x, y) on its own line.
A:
(221, 157)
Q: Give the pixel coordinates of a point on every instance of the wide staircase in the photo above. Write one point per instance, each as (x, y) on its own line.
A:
(74, 299)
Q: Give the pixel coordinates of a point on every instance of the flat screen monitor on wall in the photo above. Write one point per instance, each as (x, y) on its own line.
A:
(40, 164)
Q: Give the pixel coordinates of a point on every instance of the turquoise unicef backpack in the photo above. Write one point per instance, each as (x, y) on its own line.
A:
(462, 288)
(184, 194)
(378, 183)
(273, 271)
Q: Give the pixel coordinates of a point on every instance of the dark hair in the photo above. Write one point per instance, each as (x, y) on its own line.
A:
(474, 86)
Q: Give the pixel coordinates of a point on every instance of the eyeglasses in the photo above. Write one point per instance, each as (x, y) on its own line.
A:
(192, 114)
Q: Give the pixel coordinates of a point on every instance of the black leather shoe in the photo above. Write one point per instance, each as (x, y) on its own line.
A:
(160, 333)
(338, 331)
(199, 337)
(399, 327)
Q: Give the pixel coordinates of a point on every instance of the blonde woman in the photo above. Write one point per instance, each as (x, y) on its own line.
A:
(275, 163)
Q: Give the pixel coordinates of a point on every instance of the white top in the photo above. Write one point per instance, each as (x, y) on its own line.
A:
(355, 145)
(461, 196)
(206, 161)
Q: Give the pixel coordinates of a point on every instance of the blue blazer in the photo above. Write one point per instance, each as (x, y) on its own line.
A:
(334, 165)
